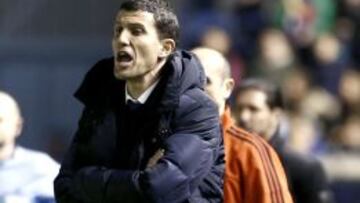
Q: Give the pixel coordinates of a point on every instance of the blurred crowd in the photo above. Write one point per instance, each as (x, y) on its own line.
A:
(310, 48)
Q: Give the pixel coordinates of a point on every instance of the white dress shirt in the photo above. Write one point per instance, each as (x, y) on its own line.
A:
(143, 97)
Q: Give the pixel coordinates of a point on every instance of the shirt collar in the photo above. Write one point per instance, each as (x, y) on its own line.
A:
(143, 97)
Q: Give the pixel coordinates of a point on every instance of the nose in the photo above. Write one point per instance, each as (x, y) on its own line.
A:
(122, 38)
(244, 115)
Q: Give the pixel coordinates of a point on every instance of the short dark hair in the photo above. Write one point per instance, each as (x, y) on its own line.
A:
(274, 98)
(166, 21)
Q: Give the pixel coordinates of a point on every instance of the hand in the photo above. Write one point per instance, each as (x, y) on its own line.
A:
(155, 158)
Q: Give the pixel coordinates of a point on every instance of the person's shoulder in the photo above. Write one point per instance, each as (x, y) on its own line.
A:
(194, 104)
(306, 169)
(252, 155)
(102, 70)
(308, 163)
(196, 111)
(102, 66)
(246, 144)
(240, 136)
(196, 96)
(35, 156)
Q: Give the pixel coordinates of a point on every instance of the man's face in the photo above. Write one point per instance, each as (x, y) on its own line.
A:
(136, 45)
(10, 121)
(252, 112)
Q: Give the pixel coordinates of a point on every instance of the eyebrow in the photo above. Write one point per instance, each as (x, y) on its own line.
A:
(130, 24)
(136, 25)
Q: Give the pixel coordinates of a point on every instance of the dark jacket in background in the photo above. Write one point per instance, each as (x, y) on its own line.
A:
(107, 159)
(305, 174)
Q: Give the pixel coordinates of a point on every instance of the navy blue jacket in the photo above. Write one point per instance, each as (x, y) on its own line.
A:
(106, 161)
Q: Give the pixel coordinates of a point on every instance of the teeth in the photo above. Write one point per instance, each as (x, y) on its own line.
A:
(123, 56)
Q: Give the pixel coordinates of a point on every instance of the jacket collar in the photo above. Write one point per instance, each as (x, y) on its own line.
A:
(100, 88)
(144, 96)
(226, 120)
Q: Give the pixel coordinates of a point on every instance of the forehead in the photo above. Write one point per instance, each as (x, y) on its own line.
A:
(213, 72)
(212, 63)
(137, 17)
(252, 97)
(7, 106)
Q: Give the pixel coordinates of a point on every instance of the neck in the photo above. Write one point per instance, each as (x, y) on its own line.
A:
(137, 86)
(272, 129)
(222, 108)
(6, 151)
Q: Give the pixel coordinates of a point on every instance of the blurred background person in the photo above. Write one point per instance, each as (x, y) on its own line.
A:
(25, 175)
(349, 93)
(219, 39)
(275, 58)
(258, 108)
(349, 10)
(303, 21)
(248, 170)
(308, 108)
(329, 62)
(250, 18)
(346, 135)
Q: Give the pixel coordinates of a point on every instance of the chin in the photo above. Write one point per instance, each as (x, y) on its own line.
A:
(119, 75)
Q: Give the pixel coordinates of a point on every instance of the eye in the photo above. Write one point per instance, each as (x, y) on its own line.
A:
(208, 81)
(118, 30)
(253, 109)
(137, 31)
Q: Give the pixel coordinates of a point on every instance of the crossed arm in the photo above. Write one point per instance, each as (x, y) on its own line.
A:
(171, 176)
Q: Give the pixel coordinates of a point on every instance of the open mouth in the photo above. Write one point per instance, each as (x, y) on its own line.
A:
(124, 57)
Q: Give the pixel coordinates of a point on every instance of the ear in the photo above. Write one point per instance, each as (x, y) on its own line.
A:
(19, 126)
(228, 86)
(167, 47)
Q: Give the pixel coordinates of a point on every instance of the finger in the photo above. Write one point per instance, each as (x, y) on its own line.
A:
(155, 158)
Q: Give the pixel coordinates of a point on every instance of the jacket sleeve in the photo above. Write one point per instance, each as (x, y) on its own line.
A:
(64, 182)
(82, 181)
(189, 155)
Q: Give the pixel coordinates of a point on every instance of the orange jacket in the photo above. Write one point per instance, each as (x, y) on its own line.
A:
(253, 173)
